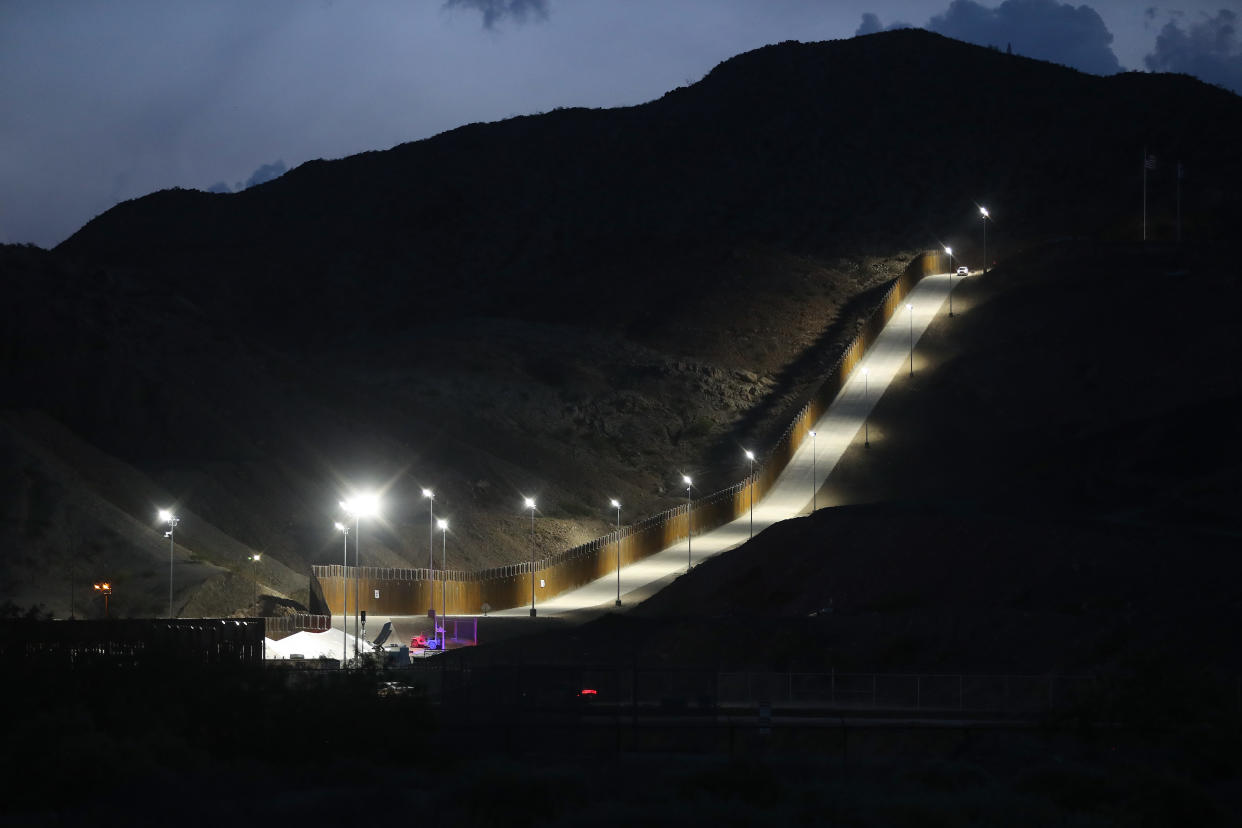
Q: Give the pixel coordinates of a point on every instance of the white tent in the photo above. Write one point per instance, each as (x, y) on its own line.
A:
(314, 645)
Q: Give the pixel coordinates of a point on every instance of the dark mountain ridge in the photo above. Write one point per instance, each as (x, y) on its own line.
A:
(579, 305)
(823, 149)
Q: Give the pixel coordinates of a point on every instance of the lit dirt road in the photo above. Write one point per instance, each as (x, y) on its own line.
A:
(842, 424)
(793, 493)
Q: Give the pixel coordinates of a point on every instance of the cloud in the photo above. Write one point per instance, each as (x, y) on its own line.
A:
(495, 11)
(871, 24)
(266, 172)
(1044, 29)
(1207, 48)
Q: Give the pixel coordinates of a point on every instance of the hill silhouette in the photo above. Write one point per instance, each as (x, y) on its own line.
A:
(822, 149)
(577, 305)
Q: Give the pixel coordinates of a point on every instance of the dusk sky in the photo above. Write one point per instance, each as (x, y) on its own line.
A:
(107, 101)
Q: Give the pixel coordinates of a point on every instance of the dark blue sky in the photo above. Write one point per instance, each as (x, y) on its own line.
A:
(105, 101)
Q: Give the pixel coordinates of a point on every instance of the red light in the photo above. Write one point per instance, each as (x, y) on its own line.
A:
(587, 691)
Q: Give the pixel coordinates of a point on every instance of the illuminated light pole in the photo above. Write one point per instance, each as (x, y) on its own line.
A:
(359, 507)
(431, 529)
(985, 215)
(344, 530)
(166, 516)
(750, 455)
(949, 250)
(814, 474)
(443, 525)
(254, 569)
(106, 589)
(866, 413)
(616, 504)
(910, 309)
(689, 518)
(530, 504)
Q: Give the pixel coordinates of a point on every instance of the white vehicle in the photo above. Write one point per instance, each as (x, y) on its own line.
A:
(963, 271)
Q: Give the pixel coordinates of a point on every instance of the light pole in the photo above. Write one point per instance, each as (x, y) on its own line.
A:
(166, 516)
(985, 215)
(105, 588)
(750, 455)
(344, 530)
(530, 504)
(866, 412)
(689, 518)
(358, 507)
(814, 473)
(254, 569)
(431, 529)
(443, 526)
(949, 250)
(616, 504)
(910, 309)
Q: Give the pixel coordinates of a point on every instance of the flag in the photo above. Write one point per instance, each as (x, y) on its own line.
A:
(1149, 162)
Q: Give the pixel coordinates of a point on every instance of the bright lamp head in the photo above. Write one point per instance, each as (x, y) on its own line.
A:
(614, 504)
(429, 493)
(530, 503)
(165, 515)
(360, 506)
(442, 524)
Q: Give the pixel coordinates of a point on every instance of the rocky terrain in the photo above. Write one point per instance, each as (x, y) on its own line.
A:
(1044, 495)
(574, 306)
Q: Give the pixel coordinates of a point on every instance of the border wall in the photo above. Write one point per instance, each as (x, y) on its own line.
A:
(388, 591)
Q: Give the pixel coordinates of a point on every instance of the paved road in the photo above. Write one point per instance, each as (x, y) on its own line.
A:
(840, 425)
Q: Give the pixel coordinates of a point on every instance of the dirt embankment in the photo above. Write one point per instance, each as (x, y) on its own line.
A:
(1054, 490)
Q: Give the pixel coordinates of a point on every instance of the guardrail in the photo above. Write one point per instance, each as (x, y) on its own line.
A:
(390, 591)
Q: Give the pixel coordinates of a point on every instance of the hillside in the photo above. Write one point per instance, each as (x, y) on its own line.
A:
(578, 305)
(1047, 494)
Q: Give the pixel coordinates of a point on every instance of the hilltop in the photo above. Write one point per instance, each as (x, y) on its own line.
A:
(577, 305)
